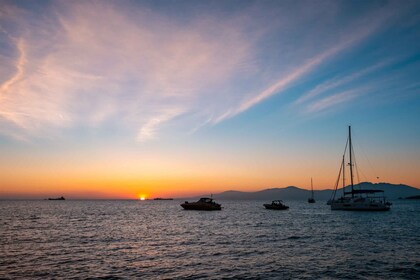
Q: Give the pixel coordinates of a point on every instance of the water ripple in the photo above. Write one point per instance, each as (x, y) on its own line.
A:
(158, 240)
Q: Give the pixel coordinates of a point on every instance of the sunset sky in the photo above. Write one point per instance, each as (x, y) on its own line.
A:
(117, 99)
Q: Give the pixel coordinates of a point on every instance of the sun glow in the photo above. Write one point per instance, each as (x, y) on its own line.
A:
(142, 197)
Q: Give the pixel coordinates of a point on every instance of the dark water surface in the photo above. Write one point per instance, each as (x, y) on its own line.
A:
(159, 240)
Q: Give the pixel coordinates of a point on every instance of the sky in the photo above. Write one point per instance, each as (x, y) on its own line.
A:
(121, 99)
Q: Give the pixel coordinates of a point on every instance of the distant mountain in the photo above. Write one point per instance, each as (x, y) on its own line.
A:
(293, 193)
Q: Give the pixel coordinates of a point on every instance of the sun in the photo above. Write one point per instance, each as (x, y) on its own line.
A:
(142, 197)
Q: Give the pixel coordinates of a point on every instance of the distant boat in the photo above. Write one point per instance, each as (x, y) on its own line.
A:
(58, 198)
(311, 199)
(357, 200)
(160, 198)
(204, 204)
(276, 205)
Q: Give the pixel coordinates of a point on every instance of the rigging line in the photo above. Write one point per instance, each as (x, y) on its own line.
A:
(357, 168)
(341, 169)
(353, 155)
(344, 163)
(363, 174)
(344, 174)
(365, 157)
(337, 181)
(345, 148)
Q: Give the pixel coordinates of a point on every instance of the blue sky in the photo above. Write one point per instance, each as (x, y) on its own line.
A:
(265, 87)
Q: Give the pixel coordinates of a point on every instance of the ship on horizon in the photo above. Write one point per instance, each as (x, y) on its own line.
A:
(57, 198)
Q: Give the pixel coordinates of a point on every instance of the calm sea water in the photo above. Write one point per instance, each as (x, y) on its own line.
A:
(158, 240)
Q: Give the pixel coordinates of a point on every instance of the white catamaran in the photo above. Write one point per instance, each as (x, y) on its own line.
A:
(356, 199)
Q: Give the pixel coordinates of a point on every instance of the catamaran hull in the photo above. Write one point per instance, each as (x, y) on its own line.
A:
(359, 207)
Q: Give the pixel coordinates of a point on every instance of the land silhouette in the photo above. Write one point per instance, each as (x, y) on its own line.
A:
(392, 191)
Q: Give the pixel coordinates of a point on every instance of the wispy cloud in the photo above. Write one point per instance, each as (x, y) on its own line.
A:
(334, 100)
(96, 64)
(277, 86)
(148, 130)
(20, 64)
(334, 83)
(93, 64)
(365, 28)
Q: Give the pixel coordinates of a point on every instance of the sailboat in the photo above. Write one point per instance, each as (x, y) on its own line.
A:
(311, 199)
(357, 199)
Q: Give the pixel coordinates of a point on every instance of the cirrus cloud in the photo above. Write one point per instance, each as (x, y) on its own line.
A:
(96, 63)
(89, 63)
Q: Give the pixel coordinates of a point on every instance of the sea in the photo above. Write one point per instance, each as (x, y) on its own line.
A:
(117, 239)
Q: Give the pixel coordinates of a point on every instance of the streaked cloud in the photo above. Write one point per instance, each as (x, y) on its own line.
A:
(334, 100)
(334, 83)
(365, 28)
(96, 65)
(92, 64)
(20, 64)
(148, 130)
(277, 87)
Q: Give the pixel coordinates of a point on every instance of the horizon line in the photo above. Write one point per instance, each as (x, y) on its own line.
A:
(194, 196)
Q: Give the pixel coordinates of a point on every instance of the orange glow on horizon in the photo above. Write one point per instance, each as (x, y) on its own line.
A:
(96, 180)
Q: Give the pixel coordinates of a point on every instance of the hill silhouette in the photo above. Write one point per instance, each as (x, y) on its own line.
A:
(392, 191)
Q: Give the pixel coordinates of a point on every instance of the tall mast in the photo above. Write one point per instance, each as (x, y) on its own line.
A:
(312, 189)
(351, 162)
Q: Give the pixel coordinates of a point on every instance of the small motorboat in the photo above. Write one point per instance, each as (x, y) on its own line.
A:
(276, 205)
(205, 204)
